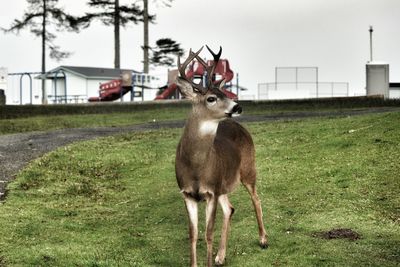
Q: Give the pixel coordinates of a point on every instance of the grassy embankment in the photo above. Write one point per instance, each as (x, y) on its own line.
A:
(112, 119)
(115, 202)
(16, 119)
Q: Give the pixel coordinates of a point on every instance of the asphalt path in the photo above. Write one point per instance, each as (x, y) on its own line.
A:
(17, 150)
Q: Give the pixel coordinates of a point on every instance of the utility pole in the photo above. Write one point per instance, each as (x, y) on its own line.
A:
(44, 92)
(117, 61)
(146, 36)
(370, 43)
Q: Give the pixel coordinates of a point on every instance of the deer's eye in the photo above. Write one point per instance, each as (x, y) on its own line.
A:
(211, 99)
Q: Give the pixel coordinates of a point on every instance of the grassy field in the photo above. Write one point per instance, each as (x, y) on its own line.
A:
(114, 201)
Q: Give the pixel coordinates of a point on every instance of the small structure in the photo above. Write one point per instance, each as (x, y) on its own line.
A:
(3, 78)
(73, 84)
(3, 85)
(377, 74)
(2, 97)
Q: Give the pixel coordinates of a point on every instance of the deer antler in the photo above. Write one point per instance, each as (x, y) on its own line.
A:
(210, 69)
(182, 68)
(216, 59)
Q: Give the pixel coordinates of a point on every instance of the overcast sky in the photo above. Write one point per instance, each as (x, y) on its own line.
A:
(256, 36)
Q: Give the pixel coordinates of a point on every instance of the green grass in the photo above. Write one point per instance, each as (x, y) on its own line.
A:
(53, 122)
(114, 201)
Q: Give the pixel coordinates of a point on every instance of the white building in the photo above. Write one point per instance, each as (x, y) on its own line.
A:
(76, 84)
(81, 83)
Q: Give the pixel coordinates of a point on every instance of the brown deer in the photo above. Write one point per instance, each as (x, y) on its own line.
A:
(214, 154)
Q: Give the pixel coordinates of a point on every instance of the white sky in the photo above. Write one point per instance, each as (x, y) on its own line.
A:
(256, 36)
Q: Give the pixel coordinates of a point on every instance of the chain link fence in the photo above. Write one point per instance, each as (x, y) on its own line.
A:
(299, 83)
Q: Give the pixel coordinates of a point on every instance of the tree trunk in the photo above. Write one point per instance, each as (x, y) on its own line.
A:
(44, 93)
(116, 35)
(146, 37)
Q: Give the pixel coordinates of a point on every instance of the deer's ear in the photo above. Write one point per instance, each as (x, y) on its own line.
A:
(185, 88)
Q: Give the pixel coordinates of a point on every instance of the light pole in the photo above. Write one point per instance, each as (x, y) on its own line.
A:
(371, 29)
(146, 36)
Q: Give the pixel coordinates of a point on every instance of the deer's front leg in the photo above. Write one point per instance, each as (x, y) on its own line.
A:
(228, 211)
(211, 211)
(191, 206)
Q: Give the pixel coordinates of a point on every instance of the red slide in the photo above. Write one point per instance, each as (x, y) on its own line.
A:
(110, 91)
(167, 92)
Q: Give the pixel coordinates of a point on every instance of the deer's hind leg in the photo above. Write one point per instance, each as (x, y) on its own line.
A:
(251, 188)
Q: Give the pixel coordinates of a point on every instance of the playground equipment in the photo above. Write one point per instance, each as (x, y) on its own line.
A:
(117, 88)
(197, 71)
(110, 91)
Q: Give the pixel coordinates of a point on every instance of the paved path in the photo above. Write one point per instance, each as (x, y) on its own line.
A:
(17, 150)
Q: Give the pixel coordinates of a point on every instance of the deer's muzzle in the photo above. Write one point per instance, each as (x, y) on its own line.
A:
(236, 111)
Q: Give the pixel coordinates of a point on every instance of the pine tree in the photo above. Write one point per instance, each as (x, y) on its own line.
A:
(146, 47)
(111, 13)
(165, 52)
(161, 54)
(41, 15)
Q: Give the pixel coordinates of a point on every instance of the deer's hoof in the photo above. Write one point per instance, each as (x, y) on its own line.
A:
(264, 245)
(219, 261)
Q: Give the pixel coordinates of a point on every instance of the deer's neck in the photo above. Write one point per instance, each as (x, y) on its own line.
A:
(202, 128)
(200, 133)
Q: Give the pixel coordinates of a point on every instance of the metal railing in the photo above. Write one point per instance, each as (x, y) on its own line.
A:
(58, 99)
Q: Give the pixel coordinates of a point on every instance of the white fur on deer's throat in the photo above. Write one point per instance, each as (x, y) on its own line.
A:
(208, 127)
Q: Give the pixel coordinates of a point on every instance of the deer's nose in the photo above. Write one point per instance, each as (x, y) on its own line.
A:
(237, 109)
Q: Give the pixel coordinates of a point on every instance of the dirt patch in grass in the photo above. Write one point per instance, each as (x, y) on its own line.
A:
(2, 261)
(340, 233)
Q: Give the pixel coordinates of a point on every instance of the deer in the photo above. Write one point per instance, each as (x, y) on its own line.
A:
(214, 155)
